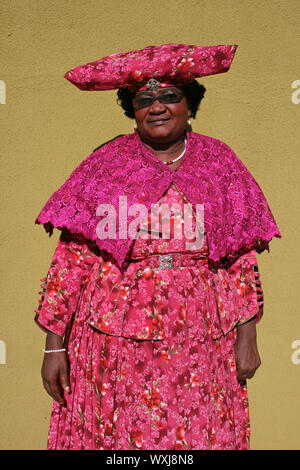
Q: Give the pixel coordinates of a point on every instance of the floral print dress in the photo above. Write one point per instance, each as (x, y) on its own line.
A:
(151, 349)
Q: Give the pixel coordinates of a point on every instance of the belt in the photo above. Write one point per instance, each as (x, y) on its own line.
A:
(171, 260)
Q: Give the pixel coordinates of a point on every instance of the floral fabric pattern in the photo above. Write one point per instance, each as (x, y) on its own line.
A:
(174, 63)
(151, 350)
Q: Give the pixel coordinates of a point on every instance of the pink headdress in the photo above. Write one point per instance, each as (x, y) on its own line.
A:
(168, 63)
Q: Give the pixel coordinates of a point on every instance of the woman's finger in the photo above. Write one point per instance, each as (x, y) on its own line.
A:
(245, 374)
(55, 391)
(57, 395)
(64, 380)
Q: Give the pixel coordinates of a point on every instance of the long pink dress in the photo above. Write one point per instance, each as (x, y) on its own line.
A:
(151, 351)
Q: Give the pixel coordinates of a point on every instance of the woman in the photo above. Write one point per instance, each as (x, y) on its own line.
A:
(151, 337)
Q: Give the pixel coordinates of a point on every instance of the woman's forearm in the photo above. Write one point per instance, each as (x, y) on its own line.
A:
(246, 353)
(53, 341)
(247, 329)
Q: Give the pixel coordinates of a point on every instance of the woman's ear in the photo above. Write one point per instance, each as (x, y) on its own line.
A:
(188, 126)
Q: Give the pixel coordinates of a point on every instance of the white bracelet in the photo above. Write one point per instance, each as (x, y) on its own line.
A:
(53, 350)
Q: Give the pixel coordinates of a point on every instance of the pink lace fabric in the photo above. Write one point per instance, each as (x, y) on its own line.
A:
(237, 215)
(151, 350)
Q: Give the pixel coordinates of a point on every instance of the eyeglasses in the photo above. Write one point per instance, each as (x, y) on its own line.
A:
(165, 97)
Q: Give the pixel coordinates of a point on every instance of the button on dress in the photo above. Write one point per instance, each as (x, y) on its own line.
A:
(151, 349)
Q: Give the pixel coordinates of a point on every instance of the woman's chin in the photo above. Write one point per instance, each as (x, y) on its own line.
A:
(159, 134)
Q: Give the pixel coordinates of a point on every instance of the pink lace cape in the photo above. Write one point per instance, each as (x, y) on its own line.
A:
(237, 217)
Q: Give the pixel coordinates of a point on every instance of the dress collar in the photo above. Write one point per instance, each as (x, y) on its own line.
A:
(158, 165)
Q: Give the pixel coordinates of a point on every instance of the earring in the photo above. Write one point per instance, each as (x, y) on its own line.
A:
(189, 125)
(135, 127)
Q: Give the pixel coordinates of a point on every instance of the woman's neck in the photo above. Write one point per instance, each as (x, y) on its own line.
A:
(166, 151)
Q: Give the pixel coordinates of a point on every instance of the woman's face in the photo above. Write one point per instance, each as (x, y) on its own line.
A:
(161, 122)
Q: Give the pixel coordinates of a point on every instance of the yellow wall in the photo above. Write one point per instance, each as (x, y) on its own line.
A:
(48, 126)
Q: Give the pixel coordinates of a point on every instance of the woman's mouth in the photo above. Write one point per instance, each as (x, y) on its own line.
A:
(159, 121)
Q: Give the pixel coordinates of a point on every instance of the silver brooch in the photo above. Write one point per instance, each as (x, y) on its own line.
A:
(152, 84)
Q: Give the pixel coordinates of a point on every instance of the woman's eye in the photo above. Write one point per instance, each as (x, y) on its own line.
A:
(170, 97)
(144, 101)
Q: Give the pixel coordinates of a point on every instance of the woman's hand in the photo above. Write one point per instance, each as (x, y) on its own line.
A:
(246, 353)
(55, 372)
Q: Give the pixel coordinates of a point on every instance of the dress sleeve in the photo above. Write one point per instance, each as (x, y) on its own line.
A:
(61, 288)
(246, 277)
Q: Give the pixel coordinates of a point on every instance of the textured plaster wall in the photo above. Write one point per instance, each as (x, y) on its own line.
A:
(48, 126)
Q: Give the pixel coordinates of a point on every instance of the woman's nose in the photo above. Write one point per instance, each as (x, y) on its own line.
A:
(157, 107)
